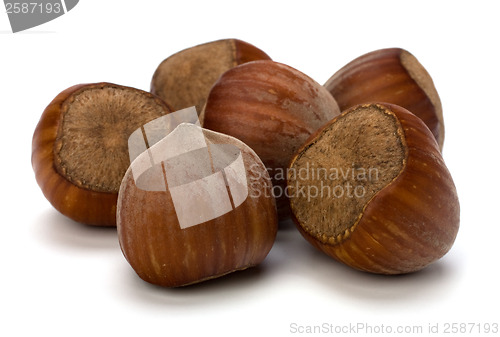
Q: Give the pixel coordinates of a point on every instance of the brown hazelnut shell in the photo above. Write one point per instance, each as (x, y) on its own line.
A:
(391, 75)
(411, 222)
(78, 203)
(273, 108)
(163, 253)
(184, 79)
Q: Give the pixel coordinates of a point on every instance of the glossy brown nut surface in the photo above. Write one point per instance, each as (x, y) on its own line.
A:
(61, 180)
(408, 221)
(273, 108)
(394, 76)
(165, 253)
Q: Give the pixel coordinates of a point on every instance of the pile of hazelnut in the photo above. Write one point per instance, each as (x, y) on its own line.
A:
(355, 163)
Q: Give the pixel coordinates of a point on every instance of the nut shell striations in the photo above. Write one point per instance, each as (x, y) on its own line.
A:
(164, 253)
(273, 108)
(406, 221)
(394, 76)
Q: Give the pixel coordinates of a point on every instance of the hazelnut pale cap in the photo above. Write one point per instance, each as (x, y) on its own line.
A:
(184, 79)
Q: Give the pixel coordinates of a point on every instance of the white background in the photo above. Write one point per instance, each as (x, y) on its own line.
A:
(60, 278)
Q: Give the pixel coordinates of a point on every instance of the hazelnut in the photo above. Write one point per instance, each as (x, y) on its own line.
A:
(79, 149)
(371, 190)
(185, 78)
(394, 76)
(203, 209)
(273, 108)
